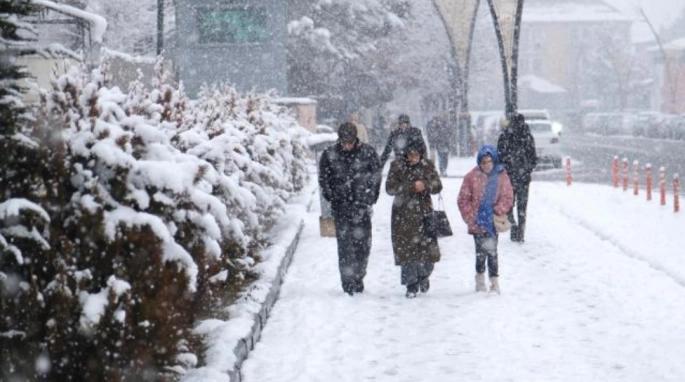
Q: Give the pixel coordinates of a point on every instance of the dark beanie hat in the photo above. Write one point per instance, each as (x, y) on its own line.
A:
(347, 132)
(403, 118)
(415, 144)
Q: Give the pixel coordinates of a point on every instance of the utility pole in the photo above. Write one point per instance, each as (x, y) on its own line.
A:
(160, 26)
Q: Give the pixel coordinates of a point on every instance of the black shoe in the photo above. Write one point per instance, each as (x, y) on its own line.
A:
(515, 234)
(359, 286)
(424, 285)
(349, 288)
(412, 289)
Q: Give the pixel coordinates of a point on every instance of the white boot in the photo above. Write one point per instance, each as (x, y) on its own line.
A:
(480, 283)
(494, 285)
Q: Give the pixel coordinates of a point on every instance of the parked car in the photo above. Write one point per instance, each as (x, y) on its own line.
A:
(621, 124)
(672, 127)
(609, 123)
(535, 114)
(547, 143)
(651, 125)
(487, 126)
(679, 129)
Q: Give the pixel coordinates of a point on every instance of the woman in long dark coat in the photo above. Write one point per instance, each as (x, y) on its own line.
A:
(412, 179)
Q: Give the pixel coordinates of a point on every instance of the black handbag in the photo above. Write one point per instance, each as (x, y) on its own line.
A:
(435, 223)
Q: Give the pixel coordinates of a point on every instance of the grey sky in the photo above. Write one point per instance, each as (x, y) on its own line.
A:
(660, 12)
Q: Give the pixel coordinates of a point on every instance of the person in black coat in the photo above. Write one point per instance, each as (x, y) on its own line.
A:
(439, 137)
(516, 148)
(399, 139)
(350, 179)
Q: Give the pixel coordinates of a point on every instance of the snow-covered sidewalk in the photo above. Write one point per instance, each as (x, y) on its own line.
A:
(597, 293)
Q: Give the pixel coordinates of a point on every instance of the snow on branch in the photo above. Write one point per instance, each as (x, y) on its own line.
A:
(172, 250)
(13, 208)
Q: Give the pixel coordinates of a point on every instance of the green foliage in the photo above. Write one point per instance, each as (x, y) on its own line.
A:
(13, 44)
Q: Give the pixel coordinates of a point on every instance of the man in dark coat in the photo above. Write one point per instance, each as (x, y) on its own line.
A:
(350, 179)
(516, 147)
(439, 137)
(399, 138)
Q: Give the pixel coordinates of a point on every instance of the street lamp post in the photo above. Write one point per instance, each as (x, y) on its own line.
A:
(160, 26)
(459, 19)
(506, 15)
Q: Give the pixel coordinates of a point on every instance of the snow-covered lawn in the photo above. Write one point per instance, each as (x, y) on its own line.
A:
(595, 294)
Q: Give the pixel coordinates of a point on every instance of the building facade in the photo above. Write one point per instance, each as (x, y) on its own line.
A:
(238, 42)
(581, 48)
(671, 94)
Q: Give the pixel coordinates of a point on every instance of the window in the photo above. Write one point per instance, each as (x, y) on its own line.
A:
(232, 25)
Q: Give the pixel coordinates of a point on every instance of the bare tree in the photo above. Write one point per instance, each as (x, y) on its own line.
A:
(671, 74)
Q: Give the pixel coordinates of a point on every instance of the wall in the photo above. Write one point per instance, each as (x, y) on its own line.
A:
(673, 86)
(41, 69)
(304, 110)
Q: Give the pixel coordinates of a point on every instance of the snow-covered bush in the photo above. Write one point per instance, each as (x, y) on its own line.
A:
(135, 204)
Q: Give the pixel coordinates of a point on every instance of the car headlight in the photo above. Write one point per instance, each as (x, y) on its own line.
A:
(557, 127)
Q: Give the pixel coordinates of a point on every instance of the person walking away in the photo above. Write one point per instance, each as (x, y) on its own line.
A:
(411, 180)
(400, 137)
(439, 138)
(362, 133)
(378, 129)
(485, 192)
(350, 178)
(516, 148)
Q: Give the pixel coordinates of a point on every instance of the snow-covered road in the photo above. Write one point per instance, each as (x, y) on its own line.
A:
(597, 293)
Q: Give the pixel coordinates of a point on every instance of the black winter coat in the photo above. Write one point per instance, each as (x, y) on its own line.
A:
(516, 149)
(439, 134)
(399, 140)
(350, 178)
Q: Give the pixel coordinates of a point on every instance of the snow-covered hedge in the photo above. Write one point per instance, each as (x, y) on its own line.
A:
(137, 213)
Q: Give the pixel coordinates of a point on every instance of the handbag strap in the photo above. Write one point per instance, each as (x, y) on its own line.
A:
(441, 202)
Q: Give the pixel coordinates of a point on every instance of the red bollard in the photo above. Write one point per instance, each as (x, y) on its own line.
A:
(676, 193)
(662, 185)
(648, 167)
(636, 184)
(614, 170)
(568, 171)
(625, 174)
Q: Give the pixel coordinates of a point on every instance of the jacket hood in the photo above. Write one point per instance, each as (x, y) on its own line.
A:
(488, 150)
(492, 151)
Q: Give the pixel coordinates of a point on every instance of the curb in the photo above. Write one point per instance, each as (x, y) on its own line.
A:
(247, 343)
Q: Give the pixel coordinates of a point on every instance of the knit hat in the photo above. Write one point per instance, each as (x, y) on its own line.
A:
(415, 144)
(347, 132)
(403, 118)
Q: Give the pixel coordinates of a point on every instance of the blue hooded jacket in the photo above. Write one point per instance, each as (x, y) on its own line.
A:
(486, 210)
